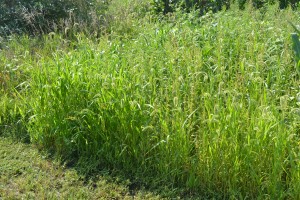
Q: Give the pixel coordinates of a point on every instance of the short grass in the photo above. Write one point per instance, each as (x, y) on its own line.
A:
(25, 173)
(207, 104)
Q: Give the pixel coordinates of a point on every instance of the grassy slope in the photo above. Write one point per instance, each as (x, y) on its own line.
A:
(26, 174)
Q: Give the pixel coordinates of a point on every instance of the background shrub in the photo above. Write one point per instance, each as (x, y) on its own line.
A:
(166, 6)
(42, 16)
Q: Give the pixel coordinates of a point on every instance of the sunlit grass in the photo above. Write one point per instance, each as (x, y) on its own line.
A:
(208, 104)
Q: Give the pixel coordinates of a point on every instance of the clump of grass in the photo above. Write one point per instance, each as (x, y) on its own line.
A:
(197, 103)
(14, 82)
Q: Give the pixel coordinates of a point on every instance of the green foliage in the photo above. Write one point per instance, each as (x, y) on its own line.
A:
(166, 6)
(286, 3)
(43, 16)
(208, 104)
(296, 45)
(13, 84)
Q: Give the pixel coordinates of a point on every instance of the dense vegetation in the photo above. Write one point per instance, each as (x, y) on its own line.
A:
(166, 6)
(44, 16)
(207, 103)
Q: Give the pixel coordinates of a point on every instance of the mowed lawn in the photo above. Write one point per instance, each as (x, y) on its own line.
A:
(26, 173)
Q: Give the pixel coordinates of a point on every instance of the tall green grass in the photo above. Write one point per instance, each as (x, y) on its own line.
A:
(206, 104)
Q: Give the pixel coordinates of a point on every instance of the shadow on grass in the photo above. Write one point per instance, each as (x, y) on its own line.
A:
(136, 183)
(27, 173)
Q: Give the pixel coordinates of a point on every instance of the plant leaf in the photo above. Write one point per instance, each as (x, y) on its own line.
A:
(296, 45)
(295, 27)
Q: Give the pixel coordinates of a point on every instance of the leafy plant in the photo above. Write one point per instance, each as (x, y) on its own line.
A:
(166, 6)
(296, 44)
(43, 16)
